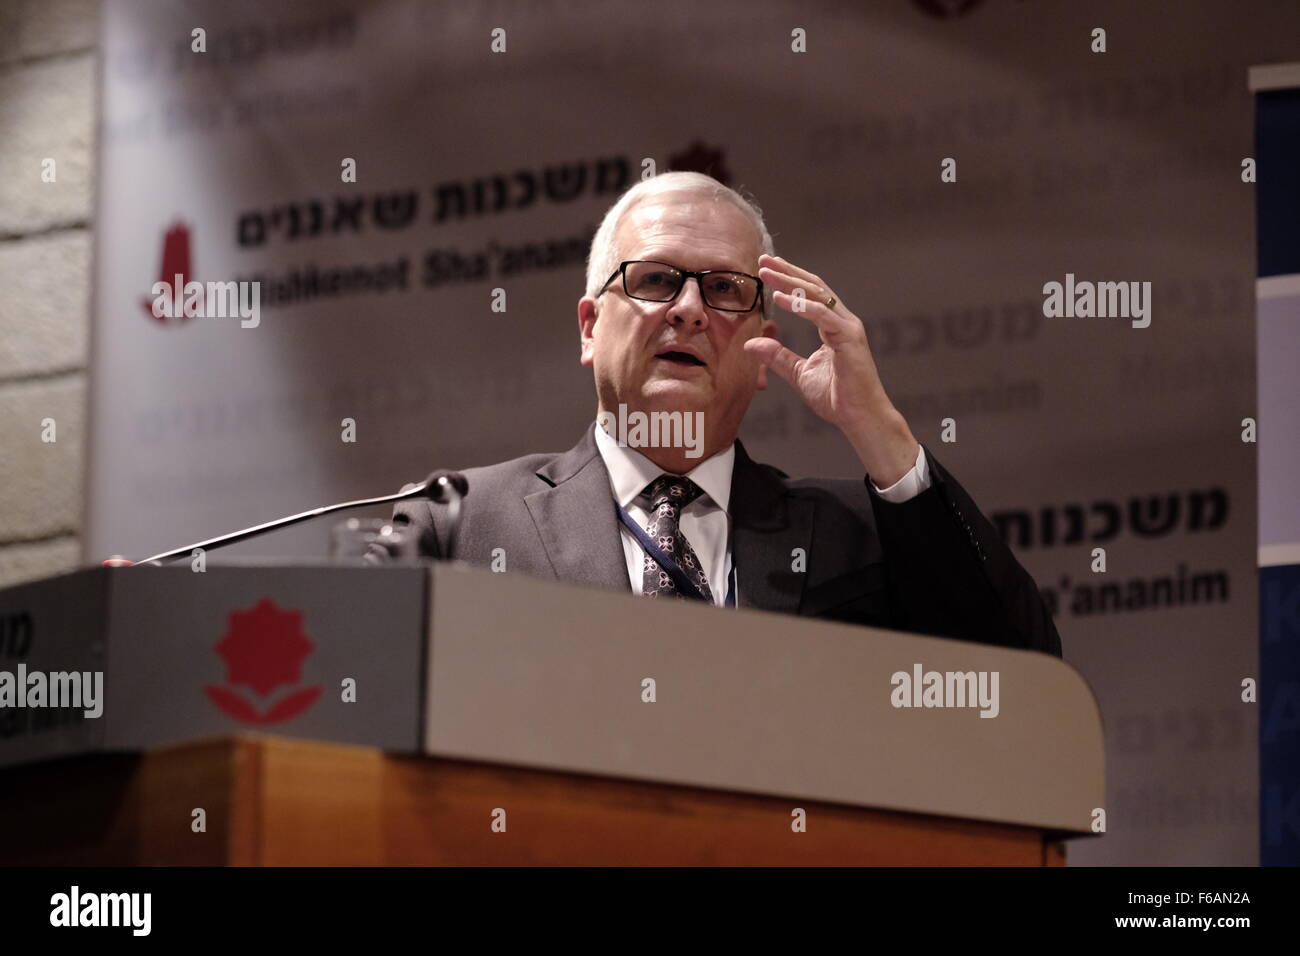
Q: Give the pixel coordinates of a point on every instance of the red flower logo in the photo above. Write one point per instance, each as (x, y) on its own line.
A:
(264, 648)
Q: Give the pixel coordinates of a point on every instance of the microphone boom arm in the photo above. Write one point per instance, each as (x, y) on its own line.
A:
(434, 488)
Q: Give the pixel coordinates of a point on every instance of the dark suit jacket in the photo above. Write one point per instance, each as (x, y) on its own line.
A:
(931, 565)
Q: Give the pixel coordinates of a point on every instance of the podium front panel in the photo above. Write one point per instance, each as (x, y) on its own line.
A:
(266, 648)
(538, 673)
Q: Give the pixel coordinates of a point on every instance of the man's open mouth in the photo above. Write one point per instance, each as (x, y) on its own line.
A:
(682, 358)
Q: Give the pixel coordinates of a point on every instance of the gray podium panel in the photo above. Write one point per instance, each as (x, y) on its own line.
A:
(544, 674)
(52, 626)
(265, 648)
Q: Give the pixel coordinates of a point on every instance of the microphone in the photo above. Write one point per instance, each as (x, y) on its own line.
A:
(441, 486)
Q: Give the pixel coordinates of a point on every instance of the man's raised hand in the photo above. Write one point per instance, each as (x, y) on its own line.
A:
(839, 381)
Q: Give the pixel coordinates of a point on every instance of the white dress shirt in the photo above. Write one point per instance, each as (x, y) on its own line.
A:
(705, 522)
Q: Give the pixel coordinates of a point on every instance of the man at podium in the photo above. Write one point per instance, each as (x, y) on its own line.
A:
(659, 497)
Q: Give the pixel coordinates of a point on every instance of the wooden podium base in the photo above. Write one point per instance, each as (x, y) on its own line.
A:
(276, 801)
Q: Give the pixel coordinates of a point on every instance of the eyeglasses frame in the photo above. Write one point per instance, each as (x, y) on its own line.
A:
(687, 274)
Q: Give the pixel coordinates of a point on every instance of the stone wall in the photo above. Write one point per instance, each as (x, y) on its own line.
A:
(48, 81)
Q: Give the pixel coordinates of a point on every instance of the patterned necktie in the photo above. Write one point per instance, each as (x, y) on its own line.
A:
(669, 494)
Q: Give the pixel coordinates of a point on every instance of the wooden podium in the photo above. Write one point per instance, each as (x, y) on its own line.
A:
(275, 801)
(361, 715)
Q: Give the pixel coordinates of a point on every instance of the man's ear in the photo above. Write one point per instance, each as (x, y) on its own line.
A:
(587, 315)
(768, 329)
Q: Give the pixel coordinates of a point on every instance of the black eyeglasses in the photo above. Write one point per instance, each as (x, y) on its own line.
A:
(653, 281)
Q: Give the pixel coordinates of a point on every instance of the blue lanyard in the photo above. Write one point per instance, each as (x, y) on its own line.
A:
(684, 584)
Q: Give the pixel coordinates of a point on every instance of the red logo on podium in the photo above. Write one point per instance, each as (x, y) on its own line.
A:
(264, 648)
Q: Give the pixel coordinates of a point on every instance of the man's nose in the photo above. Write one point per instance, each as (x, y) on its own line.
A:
(688, 308)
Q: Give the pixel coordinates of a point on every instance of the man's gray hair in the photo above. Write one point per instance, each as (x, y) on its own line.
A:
(604, 258)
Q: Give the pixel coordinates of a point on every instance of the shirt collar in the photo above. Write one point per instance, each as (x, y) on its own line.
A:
(630, 471)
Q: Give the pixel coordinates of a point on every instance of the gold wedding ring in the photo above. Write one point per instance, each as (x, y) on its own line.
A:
(830, 303)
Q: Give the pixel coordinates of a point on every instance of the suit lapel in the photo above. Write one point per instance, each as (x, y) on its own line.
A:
(767, 524)
(575, 517)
